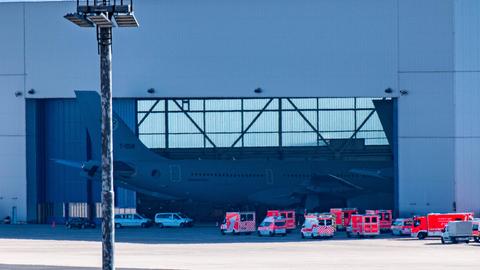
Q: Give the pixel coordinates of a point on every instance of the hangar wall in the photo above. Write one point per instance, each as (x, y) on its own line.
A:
(311, 48)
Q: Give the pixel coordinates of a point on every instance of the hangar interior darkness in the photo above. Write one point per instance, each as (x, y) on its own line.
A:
(197, 128)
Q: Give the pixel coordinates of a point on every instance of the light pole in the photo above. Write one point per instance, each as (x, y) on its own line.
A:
(105, 14)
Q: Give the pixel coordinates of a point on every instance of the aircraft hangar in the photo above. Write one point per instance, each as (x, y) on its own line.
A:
(392, 81)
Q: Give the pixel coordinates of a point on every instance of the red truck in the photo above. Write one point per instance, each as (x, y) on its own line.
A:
(288, 215)
(433, 224)
(342, 216)
(386, 218)
(363, 225)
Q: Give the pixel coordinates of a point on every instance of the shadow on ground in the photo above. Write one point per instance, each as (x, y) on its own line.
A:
(195, 235)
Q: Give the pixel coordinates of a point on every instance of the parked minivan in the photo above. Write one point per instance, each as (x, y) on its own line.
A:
(131, 220)
(173, 220)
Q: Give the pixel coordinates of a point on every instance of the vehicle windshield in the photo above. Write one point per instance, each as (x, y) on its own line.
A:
(475, 227)
(265, 224)
(280, 223)
(398, 223)
(416, 223)
(182, 215)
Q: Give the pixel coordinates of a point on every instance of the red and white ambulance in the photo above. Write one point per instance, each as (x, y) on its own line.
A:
(364, 225)
(433, 224)
(271, 226)
(318, 225)
(402, 226)
(475, 231)
(238, 222)
(385, 216)
(288, 215)
(342, 216)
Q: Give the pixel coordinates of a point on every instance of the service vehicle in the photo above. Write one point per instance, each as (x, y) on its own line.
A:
(475, 232)
(80, 222)
(289, 216)
(238, 222)
(318, 226)
(131, 220)
(342, 216)
(402, 226)
(363, 225)
(172, 220)
(457, 231)
(272, 225)
(433, 224)
(385, 216)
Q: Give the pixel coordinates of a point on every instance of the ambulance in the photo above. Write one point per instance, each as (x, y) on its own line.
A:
(364, 225)
(288, 215)
(385, 216)
(271, 226)
(402, 226)
(238, 222)
(318, 226)
(342, 216)
(433, 224)
(475, 232)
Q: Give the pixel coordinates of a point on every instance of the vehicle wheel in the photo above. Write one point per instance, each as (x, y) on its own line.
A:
(69, 226)
(421, 235)
(248, 233)
(222, 232)
(454, 240)
(467, 242)
(143, 225)
(476, 239)
(259, 234)
(270, 234)
(303, 235)
(82, 226)
(349, 235)
(160, 225)
(182, 225)
(118, 226)
(443, 241)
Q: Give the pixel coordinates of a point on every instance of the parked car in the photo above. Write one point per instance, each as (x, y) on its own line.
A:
(131, 220)
(402, 226)
(173, 220)
(79, 222)
(273, 225)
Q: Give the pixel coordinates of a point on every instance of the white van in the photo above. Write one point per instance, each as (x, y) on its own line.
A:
(131, 220)
(173, 220)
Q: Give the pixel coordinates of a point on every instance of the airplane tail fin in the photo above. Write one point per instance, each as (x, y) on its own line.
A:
(126, 146)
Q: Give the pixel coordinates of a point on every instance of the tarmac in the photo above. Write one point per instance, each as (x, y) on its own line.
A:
(41, 247)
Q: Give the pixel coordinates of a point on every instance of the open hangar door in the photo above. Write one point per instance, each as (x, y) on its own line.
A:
(316, 153)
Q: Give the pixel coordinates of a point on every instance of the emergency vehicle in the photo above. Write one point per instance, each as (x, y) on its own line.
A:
(342, 216)
(363, 225)
(433, 224)
(475, 232)
(271, 226)
(402, 226)
(318, 225)
(238, 222)
(288, 215)
(385, 216)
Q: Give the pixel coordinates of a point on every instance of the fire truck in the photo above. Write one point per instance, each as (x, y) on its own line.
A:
(363, 225)
(342, 216)
(433, 224)
(318, 225)
(238, 222)
(288, 215)
(271, 226)
(385, 218)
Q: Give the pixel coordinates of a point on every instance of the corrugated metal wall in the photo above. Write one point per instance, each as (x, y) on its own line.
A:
(65, 138)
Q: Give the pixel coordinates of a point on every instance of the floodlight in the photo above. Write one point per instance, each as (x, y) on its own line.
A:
(80, 20)
(125, 20)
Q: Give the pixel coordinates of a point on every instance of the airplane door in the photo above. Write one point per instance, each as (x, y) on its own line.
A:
(269, 176)
(175, 173)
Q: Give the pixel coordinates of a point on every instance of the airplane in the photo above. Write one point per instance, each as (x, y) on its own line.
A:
(282, 183)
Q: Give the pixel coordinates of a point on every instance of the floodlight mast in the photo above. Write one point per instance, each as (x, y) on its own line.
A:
(99, 13)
